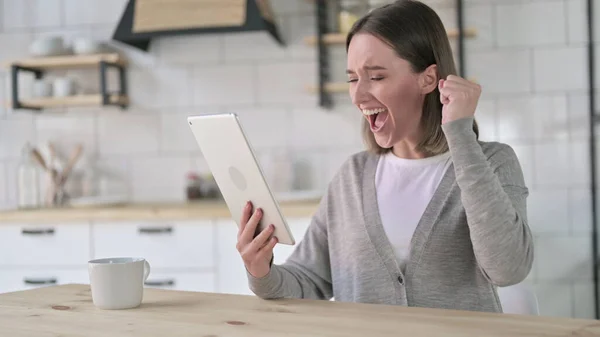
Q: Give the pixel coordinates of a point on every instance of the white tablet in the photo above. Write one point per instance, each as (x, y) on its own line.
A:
(233, 164)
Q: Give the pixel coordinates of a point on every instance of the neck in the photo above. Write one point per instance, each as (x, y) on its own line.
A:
(406, 149)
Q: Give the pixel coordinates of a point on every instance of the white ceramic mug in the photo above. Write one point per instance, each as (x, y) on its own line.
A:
(42, 88)
(63, 87)
(118, 283)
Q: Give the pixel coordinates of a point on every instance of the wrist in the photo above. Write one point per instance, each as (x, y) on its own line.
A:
(459, 130)
(259, 271)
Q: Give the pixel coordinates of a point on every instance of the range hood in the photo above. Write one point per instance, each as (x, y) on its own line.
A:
(143, 20)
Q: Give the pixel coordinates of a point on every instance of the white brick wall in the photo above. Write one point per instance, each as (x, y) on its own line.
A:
(20, 14)
(529, 56)
(534, 77)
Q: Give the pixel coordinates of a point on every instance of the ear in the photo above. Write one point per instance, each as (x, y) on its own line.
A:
(429, 79)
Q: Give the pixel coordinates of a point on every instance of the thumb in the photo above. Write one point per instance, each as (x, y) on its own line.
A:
(444, 98)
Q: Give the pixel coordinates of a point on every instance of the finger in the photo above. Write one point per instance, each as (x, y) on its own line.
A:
(444, 94)
(261, 239)
(457, 79)
(267, 249)
(250, 229)
(452, 91)
(458, 85)
(464, 84)
(246, 213)
(444, 99)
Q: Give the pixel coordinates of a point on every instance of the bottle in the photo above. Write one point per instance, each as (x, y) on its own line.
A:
(350, 11)
(193, 186)
(28, 180)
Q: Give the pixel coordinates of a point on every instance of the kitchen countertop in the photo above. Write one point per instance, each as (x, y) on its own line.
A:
(68, 311)
(134, 212)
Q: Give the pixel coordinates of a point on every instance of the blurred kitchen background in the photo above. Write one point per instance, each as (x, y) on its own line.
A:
(530, 57)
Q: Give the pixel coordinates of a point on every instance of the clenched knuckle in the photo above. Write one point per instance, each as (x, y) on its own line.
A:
(245, 256)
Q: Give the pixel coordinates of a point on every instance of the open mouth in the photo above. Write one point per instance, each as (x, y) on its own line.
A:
(376, 117)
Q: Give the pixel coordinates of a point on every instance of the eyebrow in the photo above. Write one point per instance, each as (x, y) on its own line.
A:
(348, 71)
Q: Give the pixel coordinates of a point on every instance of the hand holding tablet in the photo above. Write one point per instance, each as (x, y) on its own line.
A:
(256, 250)
(233, 164)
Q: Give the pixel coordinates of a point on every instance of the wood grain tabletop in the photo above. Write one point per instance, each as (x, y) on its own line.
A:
(68, 310)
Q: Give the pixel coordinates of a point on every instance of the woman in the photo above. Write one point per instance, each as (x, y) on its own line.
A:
(429, 216)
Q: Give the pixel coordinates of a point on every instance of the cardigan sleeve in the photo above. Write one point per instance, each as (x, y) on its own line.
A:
(306, 273)
(494, 199)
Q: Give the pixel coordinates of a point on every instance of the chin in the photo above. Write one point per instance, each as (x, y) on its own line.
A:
(384, 141)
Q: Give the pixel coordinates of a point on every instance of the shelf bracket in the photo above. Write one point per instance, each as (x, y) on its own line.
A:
(594, 118)
(460, 22)
(104, 84)
(323, 54)
(14, 73)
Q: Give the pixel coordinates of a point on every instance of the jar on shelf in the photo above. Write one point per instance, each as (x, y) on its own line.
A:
(350, 11)
(209, 187)
(193, 186)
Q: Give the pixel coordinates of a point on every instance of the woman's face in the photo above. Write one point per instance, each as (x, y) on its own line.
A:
(386, 90)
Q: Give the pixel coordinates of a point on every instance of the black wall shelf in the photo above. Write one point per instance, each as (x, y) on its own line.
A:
(594, 119)
(40, 65)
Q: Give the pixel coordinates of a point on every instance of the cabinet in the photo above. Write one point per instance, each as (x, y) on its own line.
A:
(45, 245)
(231, 271)
(165, 244)
(188, 281)
(29, 278)
(194, 255)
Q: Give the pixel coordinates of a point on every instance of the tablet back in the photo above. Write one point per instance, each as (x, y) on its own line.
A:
(233, 164)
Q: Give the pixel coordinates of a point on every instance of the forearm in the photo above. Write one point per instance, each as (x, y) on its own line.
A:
(285, 281)
(495, 206)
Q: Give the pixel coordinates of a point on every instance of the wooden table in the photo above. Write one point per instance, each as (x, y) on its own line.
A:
(68, 311)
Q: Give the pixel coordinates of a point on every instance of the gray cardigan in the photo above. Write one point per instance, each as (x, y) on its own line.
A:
(473, 236)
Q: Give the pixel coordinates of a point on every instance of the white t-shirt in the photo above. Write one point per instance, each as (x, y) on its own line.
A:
(404, 189)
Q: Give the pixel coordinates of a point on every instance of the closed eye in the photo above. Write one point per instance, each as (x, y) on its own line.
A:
(372, 78)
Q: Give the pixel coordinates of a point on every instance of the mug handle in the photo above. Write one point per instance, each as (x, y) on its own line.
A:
(146, 270)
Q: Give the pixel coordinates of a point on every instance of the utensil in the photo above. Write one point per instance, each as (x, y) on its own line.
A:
(75, 155)
(52, 175)
(35, 153)
(56, 195)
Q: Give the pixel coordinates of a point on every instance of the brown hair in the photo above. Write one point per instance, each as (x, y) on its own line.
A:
(417, 35)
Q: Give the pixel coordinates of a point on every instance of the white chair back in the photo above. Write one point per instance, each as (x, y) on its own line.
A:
(518, 299)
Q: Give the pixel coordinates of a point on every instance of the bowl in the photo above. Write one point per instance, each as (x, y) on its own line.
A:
(47, 46)
(83, 46)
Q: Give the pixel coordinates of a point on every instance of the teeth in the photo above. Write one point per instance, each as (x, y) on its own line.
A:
(369, 112)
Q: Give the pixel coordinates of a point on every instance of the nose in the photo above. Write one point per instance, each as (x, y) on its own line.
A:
(359, 92)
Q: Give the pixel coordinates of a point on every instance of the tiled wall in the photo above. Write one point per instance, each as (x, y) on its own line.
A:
(529, 55)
